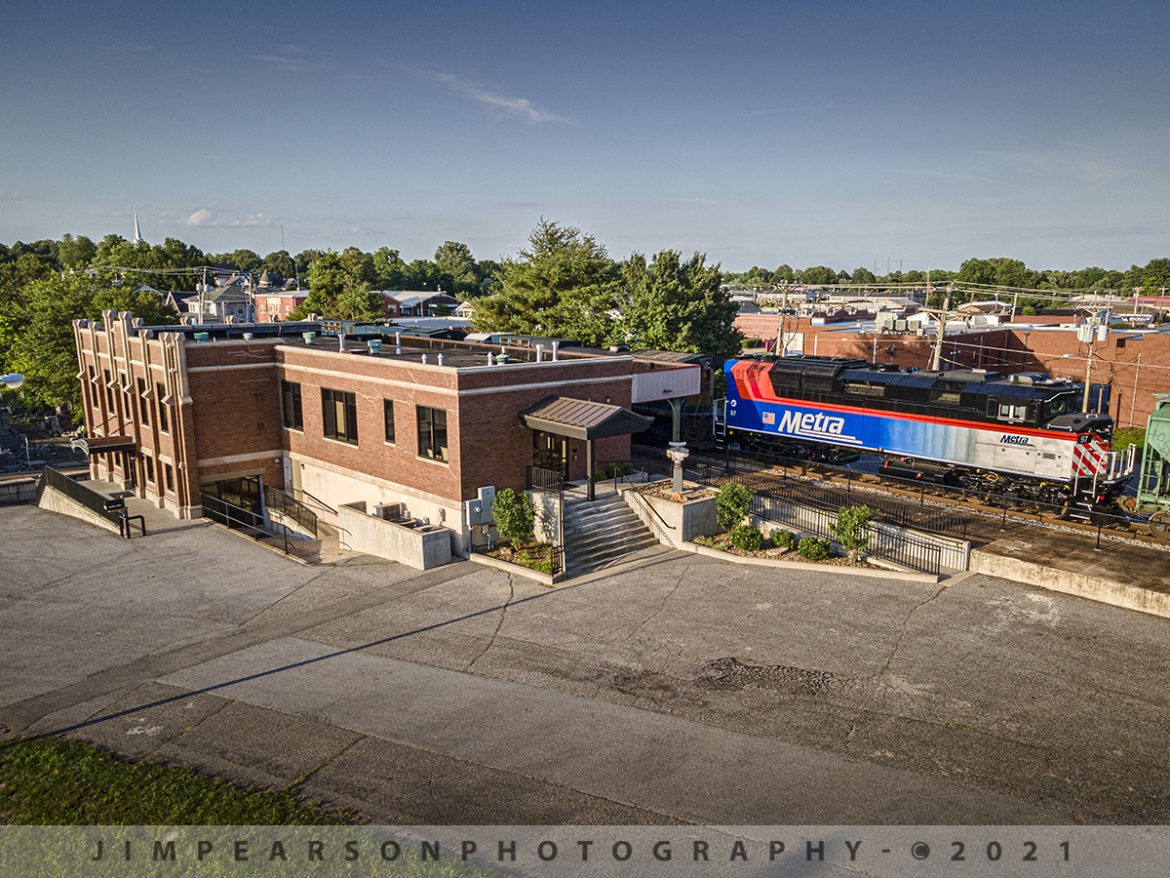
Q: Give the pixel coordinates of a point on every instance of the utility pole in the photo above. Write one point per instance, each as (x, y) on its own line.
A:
(941, 321)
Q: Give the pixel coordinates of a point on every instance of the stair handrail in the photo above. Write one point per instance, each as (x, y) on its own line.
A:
(316, 500)
(645, 504)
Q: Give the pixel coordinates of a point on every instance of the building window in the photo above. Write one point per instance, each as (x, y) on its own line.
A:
(291, 398)
(169, 471)
(432, 433)
(109, 391)
(149, 468)
(339, 413)
(388, 418)
(143, 403)
(164, 421)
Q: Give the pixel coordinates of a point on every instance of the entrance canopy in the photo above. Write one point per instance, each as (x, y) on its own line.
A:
(92, 445)
(581, 419)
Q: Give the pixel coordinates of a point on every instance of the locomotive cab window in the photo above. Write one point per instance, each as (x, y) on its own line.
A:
(1013, 413)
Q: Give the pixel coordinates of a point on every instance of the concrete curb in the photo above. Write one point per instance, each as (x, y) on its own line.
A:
(808, 566)
(488, 561)
(1103, 591)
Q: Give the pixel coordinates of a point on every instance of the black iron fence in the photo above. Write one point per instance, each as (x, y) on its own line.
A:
(278, 501)
(831, 496)
(811, 509)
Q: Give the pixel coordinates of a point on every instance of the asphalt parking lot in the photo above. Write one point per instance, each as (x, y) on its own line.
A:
(686, 690)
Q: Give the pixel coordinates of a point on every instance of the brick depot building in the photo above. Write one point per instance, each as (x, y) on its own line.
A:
(184, 410)
(1134, 364)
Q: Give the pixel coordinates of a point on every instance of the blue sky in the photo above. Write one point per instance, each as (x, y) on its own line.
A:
(841, 133)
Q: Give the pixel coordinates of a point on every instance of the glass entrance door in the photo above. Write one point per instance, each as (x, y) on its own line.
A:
(550, 452)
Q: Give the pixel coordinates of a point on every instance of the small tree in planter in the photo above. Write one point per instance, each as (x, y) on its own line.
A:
(732, 504)
(852, 529)
(514, 516)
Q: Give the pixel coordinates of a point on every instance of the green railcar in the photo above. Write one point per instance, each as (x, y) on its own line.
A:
(1153, 495)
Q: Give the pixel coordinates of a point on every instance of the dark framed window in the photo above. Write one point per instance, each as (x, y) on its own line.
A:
(170, 474)
(143, 403)
(388, 418)
(149, 467)
(164, 420)
(339, 415)
(432, 433)
(109, 391)
(291, 404)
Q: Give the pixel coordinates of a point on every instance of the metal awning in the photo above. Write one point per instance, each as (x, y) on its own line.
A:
(92, 445)
(582, 419)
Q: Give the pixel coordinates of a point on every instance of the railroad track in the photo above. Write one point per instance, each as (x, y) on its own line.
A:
(765, 474)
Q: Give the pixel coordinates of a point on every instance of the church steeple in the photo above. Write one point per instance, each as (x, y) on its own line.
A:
(137, 239)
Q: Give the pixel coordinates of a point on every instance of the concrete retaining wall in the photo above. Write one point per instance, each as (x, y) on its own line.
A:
(546, 506)
(689, 519)
(18, 491)
(1093, 588)
(414, 547)
(53, 500)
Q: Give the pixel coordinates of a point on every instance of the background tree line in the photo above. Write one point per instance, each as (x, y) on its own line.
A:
(1153, 278)
(563, 283)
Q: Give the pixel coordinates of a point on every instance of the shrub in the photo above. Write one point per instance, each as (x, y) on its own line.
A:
(732, 504)
(784, 539)
(814, 549)
(541, 565)
(852, 529)
(747, 538)
(514, 516)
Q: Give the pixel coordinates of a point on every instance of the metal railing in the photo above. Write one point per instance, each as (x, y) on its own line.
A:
(289, 507)
(239, 518)
(656, 522)
(832, 496)
(113, 509)
(541, 479)
(301, 495)
(812, 510)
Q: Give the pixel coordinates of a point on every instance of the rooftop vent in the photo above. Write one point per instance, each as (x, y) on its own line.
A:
(375, 345)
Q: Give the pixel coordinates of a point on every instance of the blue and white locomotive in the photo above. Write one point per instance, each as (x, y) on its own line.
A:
(1021, 434)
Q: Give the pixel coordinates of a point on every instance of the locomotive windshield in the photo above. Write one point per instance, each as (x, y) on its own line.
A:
(1060, 405)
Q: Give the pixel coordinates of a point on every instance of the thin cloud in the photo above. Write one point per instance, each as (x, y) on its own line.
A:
(1085, 164)
(205, 217)
(129, 48)
(293, 59)
(521, 108)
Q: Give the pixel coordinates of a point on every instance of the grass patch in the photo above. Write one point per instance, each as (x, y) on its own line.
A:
(54, 781)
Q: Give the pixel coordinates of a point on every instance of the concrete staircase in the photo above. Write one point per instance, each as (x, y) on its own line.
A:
(601, 533)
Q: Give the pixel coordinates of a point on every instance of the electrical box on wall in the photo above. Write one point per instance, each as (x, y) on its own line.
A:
(479, 510)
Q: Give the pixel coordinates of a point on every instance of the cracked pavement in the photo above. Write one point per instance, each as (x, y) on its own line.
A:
(686, 690)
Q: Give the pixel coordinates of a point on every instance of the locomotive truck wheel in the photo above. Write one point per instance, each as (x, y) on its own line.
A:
(1160, 526)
